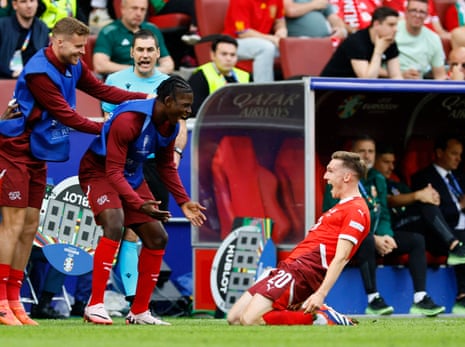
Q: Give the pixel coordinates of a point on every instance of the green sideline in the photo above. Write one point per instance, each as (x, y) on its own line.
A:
(194, 332)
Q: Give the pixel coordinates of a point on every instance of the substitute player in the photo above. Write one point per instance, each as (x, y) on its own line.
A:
(295, 292)
(46, 95)
(111, 174)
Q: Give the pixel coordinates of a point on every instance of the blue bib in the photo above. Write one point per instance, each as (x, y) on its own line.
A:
(148, 142)
(49, 138)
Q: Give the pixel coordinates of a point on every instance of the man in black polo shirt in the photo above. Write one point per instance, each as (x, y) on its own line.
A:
(368, 53)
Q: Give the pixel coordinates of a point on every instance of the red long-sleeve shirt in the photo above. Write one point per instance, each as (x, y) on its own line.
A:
(49, 97)
(124, 131)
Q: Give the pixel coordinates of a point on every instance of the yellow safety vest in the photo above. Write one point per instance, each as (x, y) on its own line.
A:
(216, 80)
(56, 10)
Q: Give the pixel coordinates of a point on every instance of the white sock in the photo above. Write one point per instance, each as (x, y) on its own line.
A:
(418, 296)
(372, 296)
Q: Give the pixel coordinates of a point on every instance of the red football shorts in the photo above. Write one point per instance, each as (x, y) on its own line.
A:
(102, 196)
(289, 284)
(22, 185)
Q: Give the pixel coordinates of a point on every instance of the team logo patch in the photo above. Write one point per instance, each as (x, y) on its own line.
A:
(14, 195)
(103, 199)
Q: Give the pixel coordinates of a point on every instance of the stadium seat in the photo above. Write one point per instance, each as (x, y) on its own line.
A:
(317, 52)
(290, 171)
(210, 21)
(243, 188)
(171, 22)
(418, 154)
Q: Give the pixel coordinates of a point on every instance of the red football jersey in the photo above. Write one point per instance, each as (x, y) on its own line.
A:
(348, 220)
(356, 13)
(259, 15)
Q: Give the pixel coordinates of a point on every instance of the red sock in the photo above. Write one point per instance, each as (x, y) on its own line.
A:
(4, 275)
(13, 286)
(149, 268)
(103, 262)
(286, 317)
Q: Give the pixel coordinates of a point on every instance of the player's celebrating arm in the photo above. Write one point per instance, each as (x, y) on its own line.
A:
(294, 293)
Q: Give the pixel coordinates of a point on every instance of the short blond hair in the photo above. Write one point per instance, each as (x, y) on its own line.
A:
(70, 26)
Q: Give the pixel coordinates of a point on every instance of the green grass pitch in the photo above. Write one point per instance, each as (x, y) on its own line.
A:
(193, 332)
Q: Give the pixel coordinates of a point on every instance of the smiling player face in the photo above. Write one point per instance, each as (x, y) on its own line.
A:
(179, 107)
(70, 48)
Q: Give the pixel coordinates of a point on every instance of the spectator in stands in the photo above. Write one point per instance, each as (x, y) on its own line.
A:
(355, 14)
(51, 11)
(21, 36)
(384, 241)
(221, 70)
(406, 208)
(143, 76)
(5, 8)
(258, 27)
(113, 45)
(364, 53)
(442, 174)
(313, 18)
(457, 64)
(432, 20)
(420, 50)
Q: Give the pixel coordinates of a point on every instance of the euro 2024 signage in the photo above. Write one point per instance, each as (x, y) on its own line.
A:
(67, 230)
